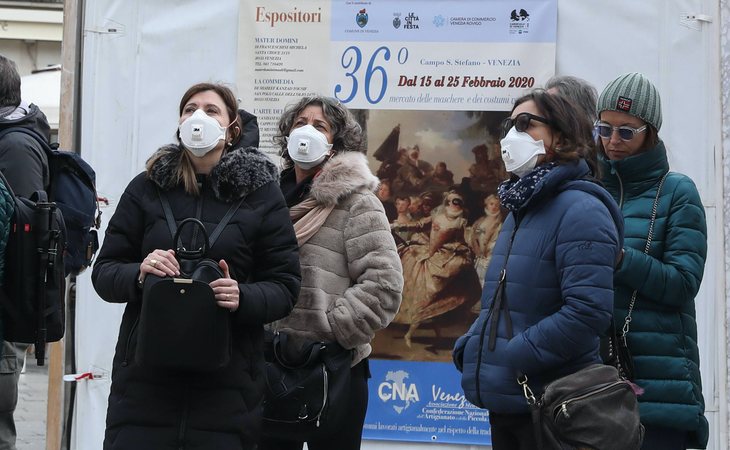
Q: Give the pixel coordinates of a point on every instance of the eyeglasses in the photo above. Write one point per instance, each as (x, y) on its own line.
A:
(625, 132)
(521, 123)
(455, 202)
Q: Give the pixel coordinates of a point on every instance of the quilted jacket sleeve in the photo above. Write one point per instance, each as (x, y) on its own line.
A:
(116, 269)
(674, 278)
(586, 247)
(374, 266)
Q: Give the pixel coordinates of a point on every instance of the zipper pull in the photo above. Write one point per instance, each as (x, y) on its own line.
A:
(564, 409)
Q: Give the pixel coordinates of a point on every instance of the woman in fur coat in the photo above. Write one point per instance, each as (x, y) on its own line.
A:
(351, 273)
(206, 176)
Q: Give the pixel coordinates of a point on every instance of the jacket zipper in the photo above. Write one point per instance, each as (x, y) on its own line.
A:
(128, 344)
(620, 190)
(562, 408)
(502, 275)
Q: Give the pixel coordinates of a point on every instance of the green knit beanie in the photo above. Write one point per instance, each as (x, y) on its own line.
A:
(633, 94)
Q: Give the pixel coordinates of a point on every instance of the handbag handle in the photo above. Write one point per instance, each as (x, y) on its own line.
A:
(649, 238)
(210, 241)
(280, 342)
(184, 253)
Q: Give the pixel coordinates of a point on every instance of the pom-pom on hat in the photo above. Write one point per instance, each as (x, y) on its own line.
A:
(633, 94)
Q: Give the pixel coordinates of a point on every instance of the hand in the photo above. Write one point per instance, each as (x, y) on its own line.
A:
(226, 289)
(161, 263)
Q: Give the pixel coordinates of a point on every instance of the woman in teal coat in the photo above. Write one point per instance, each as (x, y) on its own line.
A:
(657, 288)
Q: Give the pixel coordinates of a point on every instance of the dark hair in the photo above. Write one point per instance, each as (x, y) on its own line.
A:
(583, 95)
(346, 132)
(186, 170)
(9, 83)
(573, 128)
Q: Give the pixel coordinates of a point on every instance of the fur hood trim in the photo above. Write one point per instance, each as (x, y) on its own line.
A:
(342, 175)
(238, 173)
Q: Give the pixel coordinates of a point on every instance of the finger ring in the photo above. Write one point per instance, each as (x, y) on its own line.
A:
(153, 262)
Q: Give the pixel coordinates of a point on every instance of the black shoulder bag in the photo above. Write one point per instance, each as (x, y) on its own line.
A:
(307, 389)
(181, 327)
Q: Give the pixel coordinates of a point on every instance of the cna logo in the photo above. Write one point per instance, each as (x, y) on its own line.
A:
(396, 391)
(361, 19)
(439, 21)
(396, 20)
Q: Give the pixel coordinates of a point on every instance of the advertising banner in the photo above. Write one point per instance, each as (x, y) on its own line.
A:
(429, 82)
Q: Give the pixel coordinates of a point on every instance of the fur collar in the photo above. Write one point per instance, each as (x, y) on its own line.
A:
(238, 173)
(342, 175)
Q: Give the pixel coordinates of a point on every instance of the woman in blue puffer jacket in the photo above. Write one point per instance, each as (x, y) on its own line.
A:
(566, 234)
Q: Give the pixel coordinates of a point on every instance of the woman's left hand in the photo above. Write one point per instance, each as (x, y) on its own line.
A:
(226, 289)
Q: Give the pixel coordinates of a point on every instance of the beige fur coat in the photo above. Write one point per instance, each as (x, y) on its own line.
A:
(352, 278)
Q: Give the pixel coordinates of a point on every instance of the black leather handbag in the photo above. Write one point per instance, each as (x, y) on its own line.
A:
(307, 388)
(591, 408)
(181, 327)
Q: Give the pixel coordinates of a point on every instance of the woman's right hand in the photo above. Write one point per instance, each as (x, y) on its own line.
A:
(161, 263)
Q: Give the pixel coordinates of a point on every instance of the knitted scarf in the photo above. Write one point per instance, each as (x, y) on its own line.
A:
(514, 193)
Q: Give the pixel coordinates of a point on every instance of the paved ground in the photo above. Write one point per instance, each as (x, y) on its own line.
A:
(30, 415)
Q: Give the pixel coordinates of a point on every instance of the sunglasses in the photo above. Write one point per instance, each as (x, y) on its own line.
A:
(625, 132)
(521, 123)
(455, 202)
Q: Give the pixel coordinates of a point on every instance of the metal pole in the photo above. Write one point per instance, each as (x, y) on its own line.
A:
(70, 58)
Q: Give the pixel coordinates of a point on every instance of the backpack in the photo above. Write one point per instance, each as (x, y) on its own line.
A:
(32, 298)
(73, 188)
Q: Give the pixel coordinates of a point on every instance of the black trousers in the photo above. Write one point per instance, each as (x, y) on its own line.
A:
(349, 434)
(512, 431)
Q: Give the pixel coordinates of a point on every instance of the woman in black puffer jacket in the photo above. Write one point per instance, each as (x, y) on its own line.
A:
(202, 177)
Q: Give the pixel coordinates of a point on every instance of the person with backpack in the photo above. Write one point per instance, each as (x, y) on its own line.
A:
(210, 177)
(25, 166)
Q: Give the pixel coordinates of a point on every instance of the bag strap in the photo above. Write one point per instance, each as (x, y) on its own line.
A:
(534, 405)
(280, 342)
(500, 300)
(649, 238)
(172, 225)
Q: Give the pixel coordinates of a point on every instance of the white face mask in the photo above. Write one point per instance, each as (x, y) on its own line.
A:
(520, 152)
(307, 147)
(200, 133)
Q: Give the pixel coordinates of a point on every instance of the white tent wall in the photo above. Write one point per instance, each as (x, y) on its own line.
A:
(138, 58)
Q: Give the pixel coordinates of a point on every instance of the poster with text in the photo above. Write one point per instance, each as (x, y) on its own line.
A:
(429, 82)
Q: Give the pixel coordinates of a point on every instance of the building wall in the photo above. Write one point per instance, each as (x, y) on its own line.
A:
(31, 32)
(31, 55)
(725, 95)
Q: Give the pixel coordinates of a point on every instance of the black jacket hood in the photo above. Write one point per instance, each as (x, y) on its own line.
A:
(34, 119)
